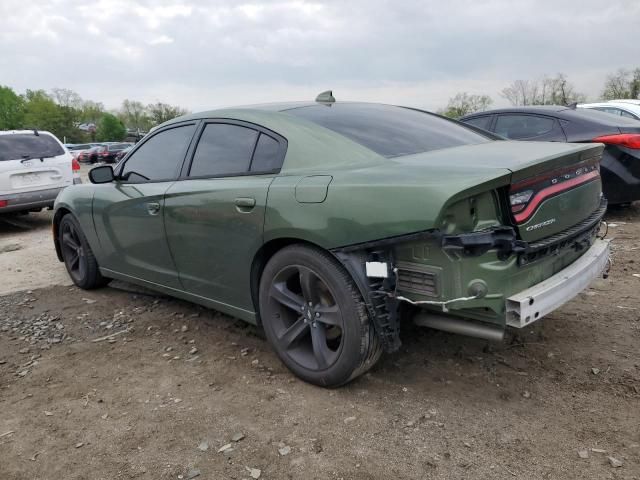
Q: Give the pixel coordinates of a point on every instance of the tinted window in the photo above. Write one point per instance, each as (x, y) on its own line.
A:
(159, 157)
(27, 145)
(612, 111)
(223, 150)
(267, 156)
(480, 122)
(626, 114)
(523, 126)
(390, 131)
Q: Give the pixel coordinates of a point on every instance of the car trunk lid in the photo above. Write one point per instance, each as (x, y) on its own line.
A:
(553, 186)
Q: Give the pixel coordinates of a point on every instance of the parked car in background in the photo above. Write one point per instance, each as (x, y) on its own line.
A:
(77, 148)
(622, 108)
(89, 155)
(621, 136)
(317, 223)
(122, 153)
(34, 168)
(108, 152)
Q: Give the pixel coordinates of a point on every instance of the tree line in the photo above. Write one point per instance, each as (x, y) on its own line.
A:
(62, 111)
(545, 91)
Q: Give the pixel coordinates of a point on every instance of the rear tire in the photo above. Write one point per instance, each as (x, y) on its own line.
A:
(77, 255)
(314, 317)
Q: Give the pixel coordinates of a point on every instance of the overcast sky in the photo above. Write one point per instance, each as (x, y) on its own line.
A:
(206, 54)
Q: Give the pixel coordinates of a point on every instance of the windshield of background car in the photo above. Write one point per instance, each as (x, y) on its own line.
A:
(388, 130)
(28, 145)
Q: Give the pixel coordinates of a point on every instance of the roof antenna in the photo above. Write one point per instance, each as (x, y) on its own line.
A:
(326, 97)
(35, 132)
(573, 105)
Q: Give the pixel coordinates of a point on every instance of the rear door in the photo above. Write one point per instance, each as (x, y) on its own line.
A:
(128, 213)
(31, 161)
(518, 126)
(215, 214)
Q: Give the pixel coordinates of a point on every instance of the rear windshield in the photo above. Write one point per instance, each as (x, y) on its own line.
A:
(17, 146)
(388, 130)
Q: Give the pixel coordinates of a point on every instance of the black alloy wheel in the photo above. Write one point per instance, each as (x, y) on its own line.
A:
(314, 317)
(77, 255)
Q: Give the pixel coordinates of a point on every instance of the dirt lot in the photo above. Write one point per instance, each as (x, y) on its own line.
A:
(178, 382)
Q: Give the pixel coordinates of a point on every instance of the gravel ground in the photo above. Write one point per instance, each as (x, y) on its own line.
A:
(120, 383)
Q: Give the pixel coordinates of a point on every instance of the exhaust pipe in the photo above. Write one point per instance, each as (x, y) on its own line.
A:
(459, 326)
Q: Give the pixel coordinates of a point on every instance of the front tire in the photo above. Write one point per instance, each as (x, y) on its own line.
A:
(77, 255)
(314, 317)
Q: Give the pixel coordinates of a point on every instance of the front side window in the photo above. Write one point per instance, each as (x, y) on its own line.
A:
(160, 157)
(388, 130)
(523, 126)
(223, 149)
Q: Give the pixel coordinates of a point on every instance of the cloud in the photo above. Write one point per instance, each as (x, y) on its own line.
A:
(207, 54)
(162, 39)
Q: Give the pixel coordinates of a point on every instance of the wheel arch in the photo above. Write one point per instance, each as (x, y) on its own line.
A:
(268, 250)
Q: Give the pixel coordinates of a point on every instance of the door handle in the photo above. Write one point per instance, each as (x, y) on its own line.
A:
(245, 204)
(153, 208)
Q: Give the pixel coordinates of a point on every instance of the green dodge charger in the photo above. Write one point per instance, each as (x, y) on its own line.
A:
(329, 223)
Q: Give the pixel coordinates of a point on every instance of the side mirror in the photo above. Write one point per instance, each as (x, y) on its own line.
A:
(102, 174)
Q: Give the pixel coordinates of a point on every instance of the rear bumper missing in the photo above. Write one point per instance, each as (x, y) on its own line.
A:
(534, 303)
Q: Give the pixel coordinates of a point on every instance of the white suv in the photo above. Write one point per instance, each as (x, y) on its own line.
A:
(34, 168)
(623, 108)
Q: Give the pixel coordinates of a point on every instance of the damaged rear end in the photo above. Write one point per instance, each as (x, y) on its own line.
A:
(504, 252)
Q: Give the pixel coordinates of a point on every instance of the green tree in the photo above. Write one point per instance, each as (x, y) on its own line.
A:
(622, 84)
(110, 128)
(543, 91)
(162, 112)
(11, 109)
(135, 115)
(463, 104)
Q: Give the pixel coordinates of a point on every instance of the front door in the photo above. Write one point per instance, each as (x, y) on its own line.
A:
(129, 213)
(215, 215)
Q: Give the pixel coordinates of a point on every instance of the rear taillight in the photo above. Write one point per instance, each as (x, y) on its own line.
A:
(3, 203)
(629, 140)
(526, 196)
(75, 166)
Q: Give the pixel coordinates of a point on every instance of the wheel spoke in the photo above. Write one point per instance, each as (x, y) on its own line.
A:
(69, 241)
(281, 294)
(294, 333)
(320, 349)
(309, 285)
(73, 261)
(329, 315)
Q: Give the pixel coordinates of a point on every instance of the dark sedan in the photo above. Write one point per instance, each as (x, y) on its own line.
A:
(621, 158)
(109, 152)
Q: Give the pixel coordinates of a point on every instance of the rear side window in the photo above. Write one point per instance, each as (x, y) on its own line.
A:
(223, 149)
(20, 146)
(480, 122)
(159, 157)
(267, 156)
(523, 126)
(389, 130)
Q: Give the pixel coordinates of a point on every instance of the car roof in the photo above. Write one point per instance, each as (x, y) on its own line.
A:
(542, 109)
(564, 113)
